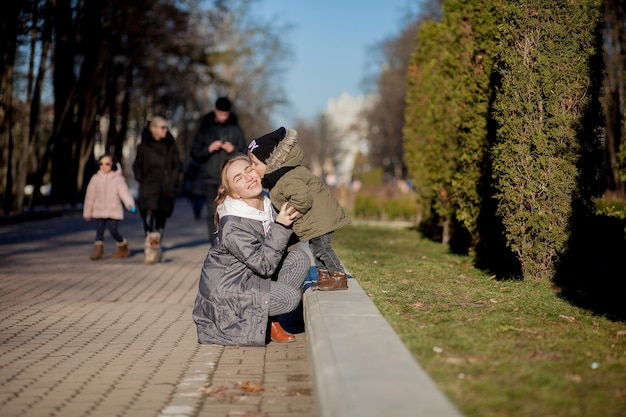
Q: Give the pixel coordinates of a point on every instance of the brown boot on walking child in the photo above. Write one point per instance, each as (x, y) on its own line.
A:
(98, 251)
(122, 250)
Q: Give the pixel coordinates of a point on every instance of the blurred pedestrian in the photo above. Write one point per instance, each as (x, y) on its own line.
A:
(193, 188)
(106, 191)
(157, 169)
(219, 136)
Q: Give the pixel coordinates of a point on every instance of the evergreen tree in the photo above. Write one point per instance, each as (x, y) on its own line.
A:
(474, 25)
(431, 117)
(547, 115)
(449, 90)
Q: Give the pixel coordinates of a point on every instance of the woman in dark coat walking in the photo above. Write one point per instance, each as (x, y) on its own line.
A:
(157, 169)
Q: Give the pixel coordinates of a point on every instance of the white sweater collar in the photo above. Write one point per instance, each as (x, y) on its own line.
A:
(236, 207)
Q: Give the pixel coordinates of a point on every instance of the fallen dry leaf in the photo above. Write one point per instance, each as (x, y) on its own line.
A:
(208, 390)
(416, 305)
(465, 277)
(455, 360)
(251, 387)
(568, 318)
(574, 378)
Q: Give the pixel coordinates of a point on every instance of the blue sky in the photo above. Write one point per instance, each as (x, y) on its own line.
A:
(330, 42)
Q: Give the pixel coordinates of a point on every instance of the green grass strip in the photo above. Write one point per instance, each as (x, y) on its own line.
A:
(497, 348)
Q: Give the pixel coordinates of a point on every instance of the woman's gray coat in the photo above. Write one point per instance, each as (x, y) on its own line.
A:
(232, 305)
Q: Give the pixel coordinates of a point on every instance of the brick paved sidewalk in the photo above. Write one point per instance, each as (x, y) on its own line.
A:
(115, 337)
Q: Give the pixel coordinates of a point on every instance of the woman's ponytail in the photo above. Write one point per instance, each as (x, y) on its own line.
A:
(222, 193)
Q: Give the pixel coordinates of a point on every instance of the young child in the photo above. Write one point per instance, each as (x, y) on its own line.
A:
(102, 203)
(277, 158)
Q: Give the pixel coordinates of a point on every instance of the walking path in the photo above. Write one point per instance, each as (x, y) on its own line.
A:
(116, 338)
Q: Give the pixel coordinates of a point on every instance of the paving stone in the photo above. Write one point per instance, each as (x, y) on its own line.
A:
(116, 337)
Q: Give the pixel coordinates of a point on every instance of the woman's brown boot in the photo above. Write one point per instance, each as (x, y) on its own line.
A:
(122, 250)
(280, 335)
(98, 251)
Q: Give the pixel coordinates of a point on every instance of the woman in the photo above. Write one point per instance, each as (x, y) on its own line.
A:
(157, 169)
(247, 279)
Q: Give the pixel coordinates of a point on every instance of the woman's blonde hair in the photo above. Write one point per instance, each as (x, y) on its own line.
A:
(224, 188)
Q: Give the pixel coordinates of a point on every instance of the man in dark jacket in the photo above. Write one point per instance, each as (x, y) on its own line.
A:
(218, 137)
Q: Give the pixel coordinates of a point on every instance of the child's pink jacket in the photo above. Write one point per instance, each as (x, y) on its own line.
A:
(104, 196)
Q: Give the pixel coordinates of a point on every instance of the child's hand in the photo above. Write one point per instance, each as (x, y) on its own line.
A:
(287, 215)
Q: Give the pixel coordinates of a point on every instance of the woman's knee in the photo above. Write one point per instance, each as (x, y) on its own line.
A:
(284, 299)
(294, 298)
(299, 257)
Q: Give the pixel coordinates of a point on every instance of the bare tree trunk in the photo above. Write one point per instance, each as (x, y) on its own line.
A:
(47, 155)
(97, 88)
(35, 107)
(614, 88)
(62, 180)
(446, 234)
(93, 108)
(125, 111)
(9, 23)
(9, 14)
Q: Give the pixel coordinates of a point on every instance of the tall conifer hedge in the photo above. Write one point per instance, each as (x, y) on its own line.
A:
(447, 110)
(431, 119)
(474, 25)
(530, 68)
(546, 87)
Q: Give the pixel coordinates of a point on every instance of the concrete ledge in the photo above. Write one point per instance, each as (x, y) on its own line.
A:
(359, 365)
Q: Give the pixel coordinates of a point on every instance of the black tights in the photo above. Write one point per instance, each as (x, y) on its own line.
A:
(153, 220)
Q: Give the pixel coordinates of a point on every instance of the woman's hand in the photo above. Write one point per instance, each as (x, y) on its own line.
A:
(287, 215)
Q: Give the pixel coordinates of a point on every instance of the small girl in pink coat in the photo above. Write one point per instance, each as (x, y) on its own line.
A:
(106, 191)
